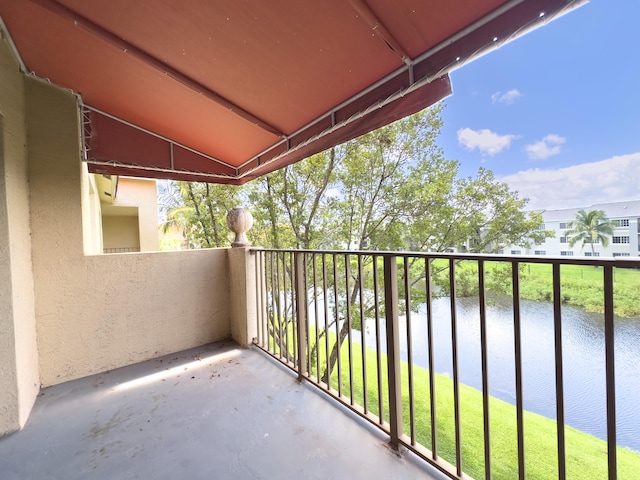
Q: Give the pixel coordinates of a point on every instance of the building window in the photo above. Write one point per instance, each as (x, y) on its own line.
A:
(621, 254)
(621, 239)
(591, 254)
(623, 222)
(516, 252)
(540, 252)
(566, 253)
(563, 240)
(541, 226)
(563, 225)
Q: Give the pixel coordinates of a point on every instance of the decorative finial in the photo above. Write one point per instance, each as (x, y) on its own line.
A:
(239, 221)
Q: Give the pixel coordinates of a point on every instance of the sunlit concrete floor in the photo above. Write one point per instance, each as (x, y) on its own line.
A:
(214, 412)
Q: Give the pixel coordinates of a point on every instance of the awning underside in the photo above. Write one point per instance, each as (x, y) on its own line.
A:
(227, 91)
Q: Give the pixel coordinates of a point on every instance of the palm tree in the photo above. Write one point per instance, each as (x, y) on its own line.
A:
(590, 227)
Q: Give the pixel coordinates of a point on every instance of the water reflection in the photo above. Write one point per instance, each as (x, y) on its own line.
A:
(583, 354)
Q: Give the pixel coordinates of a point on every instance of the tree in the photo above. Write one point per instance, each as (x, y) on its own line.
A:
(391, 189)
(290, 205)
(199, 210)
(590, 227)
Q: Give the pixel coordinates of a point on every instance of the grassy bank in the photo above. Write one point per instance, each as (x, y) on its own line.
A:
(581, 286)
(586, 455)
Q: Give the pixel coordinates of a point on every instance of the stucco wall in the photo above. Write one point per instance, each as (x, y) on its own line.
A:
(18, 350)
(91, 216)
(141, 193)
(95, 313)
(120, 231)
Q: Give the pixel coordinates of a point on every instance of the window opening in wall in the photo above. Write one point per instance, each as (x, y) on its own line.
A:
(566, 253)
(624, 222)
(621, 254)
(621, 239)
(540, 252)
(591, 254)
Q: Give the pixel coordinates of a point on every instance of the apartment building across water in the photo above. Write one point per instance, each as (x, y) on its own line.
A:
(623, 243)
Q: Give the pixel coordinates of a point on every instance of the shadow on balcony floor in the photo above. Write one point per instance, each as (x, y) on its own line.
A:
(216, 411)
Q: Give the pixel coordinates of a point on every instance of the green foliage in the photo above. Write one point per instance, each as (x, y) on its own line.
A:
(582, 286)
(198, 211)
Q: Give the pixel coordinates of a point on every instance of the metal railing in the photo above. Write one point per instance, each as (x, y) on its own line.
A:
(343, 320)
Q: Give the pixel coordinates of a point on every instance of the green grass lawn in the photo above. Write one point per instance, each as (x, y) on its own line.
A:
(581, 286)
(586, 455)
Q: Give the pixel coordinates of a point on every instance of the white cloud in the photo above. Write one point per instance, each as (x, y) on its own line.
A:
(545, 148)
(506, 98)
(485, 140)
(609, 180)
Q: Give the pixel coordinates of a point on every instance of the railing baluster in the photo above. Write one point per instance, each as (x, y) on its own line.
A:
(337, 315)
(294, 313)
(271, 297)
(393, 349)
(363, 342)
(301, 313)
(454, 355)
(432, 379)
(609, 334)
(376, 306)
(482, 301)
(263, 297)
(517, 338)
(557, 321)
(307, 337)
(326, 320)
(281, 302)
(407, 306)
(258, 277)
(316, 313)
(347, 288)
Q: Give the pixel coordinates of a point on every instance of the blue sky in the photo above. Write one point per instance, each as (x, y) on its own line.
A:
(555, 113)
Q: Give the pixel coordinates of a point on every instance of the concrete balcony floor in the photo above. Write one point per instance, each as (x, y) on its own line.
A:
(216, 411)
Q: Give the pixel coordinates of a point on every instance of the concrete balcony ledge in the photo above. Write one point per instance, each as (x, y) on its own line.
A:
(216, 411)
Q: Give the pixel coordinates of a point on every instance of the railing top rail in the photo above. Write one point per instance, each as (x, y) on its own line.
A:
(617, 262)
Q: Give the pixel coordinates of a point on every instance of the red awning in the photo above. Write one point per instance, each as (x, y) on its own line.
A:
(227, 91)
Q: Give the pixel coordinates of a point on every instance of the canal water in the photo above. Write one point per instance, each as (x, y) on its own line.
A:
(583, 355)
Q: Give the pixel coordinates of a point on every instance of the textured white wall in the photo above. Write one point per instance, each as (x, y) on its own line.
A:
(19, 380)
(96, 313)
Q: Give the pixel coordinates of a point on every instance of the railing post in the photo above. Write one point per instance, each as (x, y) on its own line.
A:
(393, 348)
(301, 314)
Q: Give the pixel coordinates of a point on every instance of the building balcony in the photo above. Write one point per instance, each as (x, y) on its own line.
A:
(216, 411)
(269, 403)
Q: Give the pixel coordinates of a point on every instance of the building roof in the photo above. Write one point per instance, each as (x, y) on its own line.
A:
(613, 210)
(226, 91)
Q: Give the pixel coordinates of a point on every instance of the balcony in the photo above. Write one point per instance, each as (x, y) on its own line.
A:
(69, 314)
(217, 411)
(275, 409)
